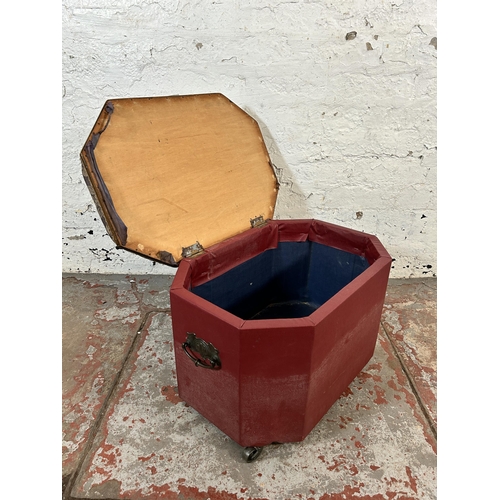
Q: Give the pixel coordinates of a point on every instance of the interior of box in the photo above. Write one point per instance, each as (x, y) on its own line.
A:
(290, 281)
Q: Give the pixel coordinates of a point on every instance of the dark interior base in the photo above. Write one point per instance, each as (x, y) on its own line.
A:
(291, 309)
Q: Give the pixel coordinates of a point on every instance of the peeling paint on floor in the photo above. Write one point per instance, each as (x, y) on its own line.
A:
(409, 319)
(375, 443)
(100, 318)
(369, 445)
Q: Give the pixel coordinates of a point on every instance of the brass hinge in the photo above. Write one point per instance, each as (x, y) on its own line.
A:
(258, 221)
(192, 250)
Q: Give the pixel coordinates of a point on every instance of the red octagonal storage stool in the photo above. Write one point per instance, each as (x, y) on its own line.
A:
(272, 319)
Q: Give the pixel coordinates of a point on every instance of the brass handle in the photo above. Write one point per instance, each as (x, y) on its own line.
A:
(209, 355)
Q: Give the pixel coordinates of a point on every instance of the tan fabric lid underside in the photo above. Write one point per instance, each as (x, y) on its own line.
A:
(184, 169)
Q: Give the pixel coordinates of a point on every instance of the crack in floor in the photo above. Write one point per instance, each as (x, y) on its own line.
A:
(70, 479)
(413, 386)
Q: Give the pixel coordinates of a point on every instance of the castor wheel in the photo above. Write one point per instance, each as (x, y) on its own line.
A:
(250, 453)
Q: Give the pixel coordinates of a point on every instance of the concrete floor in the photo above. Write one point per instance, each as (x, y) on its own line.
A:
(127, 435)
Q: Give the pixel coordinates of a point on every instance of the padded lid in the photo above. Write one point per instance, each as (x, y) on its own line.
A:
(170, 173)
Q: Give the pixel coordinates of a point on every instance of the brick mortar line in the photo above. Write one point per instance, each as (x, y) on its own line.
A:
(105, 406)
(413, 386)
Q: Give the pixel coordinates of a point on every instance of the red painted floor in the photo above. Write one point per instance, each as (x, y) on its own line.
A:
(127, 434)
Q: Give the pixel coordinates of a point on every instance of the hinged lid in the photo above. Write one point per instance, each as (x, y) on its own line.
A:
(174, 173)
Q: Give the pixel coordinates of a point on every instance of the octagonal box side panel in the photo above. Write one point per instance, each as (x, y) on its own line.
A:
(214, 394)
(275, 358)
(345, 334)
(281, 396)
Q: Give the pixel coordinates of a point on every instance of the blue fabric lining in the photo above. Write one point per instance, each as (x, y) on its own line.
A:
(289, 281)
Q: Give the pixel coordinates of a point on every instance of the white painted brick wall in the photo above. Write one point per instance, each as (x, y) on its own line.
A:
(349, 124)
